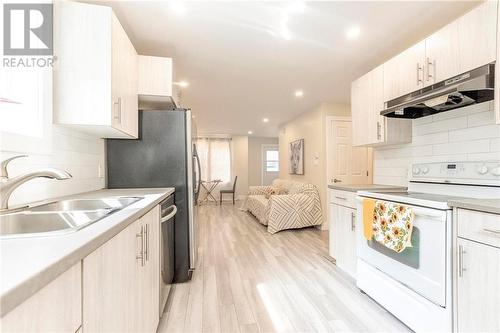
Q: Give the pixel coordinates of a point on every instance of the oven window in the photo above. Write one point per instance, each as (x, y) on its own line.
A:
(409, 257)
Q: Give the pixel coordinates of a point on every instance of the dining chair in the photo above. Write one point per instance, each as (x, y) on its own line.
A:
(229, 191)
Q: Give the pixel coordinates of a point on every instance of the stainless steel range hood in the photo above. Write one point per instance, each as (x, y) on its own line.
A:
(473, 87)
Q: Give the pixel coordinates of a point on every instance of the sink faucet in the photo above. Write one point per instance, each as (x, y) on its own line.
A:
(8, 185)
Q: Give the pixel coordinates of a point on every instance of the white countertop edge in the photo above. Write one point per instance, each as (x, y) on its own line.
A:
(27, 286)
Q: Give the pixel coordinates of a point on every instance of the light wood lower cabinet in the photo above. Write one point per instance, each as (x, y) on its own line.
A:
(121, 280)
(55, 308)
(477, 271)
(478, 287)
(343, 236)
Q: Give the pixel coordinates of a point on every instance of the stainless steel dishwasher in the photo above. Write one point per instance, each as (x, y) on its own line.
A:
(167, 252)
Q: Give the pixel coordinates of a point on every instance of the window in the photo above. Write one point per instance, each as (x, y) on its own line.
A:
(272, 161)
(215, 159)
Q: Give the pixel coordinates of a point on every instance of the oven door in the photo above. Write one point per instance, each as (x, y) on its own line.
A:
(423, 267)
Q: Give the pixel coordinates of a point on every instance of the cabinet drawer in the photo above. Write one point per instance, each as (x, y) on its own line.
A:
(344, 198)
(478, 226)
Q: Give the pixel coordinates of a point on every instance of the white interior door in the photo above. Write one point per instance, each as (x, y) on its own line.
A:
(270, 163)
(346, 164)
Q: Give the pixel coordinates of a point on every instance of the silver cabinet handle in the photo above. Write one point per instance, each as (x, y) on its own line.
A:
(340, 198)
(118, 115)
(429, 64)
(169, 216)
(461, 267)
(496, 232)
(146, 242)
(379, 131)
(140, 256)
(353, 221)
(419, 68)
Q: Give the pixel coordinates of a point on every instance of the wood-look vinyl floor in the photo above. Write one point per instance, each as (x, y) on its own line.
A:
(248, 280)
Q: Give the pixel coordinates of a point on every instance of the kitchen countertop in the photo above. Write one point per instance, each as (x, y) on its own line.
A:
(483, 205)
(28, 264)
(365, 187)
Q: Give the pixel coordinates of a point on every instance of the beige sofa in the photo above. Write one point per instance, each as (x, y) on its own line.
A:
(297, 205)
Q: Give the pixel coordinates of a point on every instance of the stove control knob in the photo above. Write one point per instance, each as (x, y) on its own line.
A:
(425, 170)
(416, 170)
(482, 170)
(496, 171)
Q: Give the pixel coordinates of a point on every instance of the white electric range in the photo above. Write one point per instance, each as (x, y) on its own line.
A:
(416, 284)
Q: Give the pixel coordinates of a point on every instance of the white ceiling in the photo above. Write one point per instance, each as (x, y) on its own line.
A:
(240, 68)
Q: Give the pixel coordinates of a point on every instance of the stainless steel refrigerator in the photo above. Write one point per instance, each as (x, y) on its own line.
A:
(164, 155)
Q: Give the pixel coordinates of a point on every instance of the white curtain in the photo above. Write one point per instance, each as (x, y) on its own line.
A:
(215, 160)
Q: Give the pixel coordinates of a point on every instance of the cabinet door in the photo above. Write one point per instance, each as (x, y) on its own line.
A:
(442, 54)
(405, 72)
(478, 287)
(54, 308)
(149, 278)
(375, 120)
(345, 238)
(124, 81)
(333, 229)
(111, 284)
(477, 36)
(155, 76)
(360, 110)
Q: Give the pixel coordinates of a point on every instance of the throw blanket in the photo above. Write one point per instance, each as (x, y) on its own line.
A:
(393, 225)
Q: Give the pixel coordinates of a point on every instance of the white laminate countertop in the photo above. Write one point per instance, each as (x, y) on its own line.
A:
(482, 205)
(28, 264)
(366, 187)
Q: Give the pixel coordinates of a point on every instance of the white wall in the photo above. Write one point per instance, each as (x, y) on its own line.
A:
(466, 134)
(55, 147)
(255, 162)
(310, 126)
(240, 164)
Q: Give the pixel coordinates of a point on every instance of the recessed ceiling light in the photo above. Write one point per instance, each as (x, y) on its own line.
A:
(178, 7)
(250, 132)
(297, 7)
(182, 84)
(265, 120)
(353, 32)
(299, 93)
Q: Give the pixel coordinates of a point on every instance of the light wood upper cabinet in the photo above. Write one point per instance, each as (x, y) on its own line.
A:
(155, 76)
(57, 307)
(465, 44)
(121, 280)
(477, 32)
(95, 75)
(442, 55)
(367, 101)
(360, 109)
(405, 72)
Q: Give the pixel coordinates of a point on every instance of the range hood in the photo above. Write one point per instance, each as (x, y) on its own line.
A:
(473, 87)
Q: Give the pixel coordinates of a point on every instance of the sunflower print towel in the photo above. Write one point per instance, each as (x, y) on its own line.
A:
(392, 225)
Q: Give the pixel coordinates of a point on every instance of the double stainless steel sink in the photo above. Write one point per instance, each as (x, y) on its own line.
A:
(60, 216)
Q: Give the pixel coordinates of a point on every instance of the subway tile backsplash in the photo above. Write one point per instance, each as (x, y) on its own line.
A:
(468, 133)
(79, 154)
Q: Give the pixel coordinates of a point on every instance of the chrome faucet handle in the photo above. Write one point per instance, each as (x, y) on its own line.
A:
(4, 174)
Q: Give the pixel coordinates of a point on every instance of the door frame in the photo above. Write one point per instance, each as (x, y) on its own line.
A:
(329, 120)
(262, 148)
(328, 128)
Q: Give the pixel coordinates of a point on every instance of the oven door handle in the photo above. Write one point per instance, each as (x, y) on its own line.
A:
(427, 212)
(170, 215)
